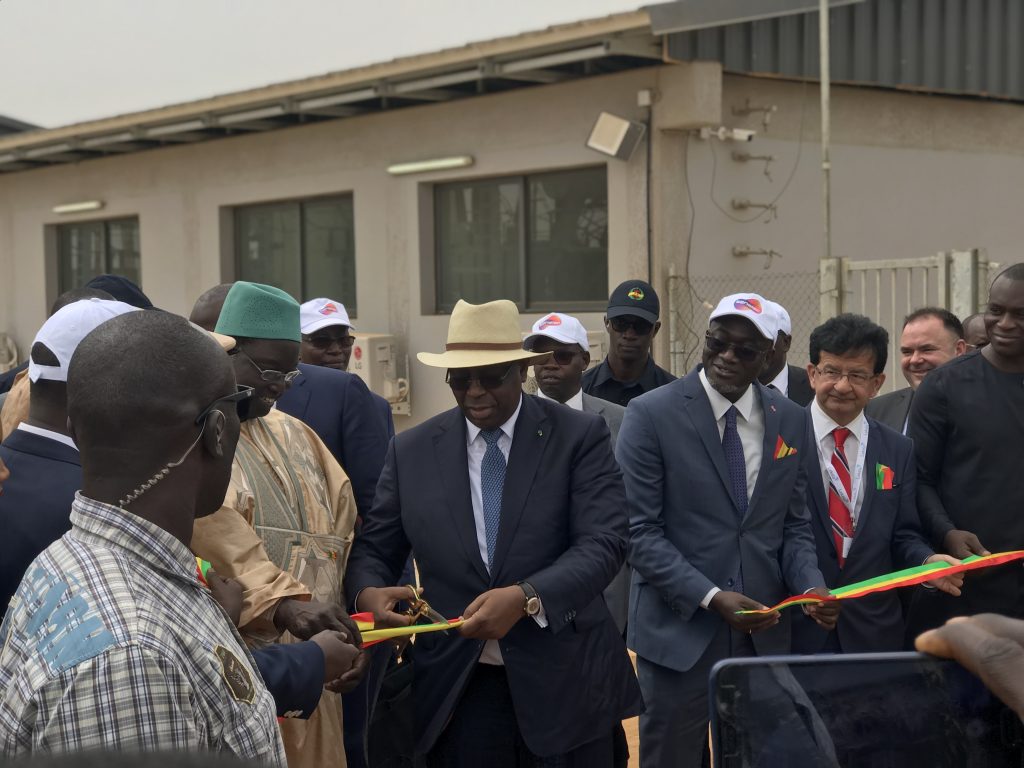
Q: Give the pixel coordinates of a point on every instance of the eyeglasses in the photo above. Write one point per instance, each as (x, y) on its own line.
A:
(460, 380)
(324, 343)
(623, 323)
(717, 346)
(240, 399)
(856, 378)
(269, 376)
(563, 356)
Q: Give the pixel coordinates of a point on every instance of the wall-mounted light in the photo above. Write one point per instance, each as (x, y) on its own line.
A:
(436, 164)
(615, 136)
(82, 207)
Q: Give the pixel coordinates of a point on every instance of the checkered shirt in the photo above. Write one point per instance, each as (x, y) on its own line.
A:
(111, 642)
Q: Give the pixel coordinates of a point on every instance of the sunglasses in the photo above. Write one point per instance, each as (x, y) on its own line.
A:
(324, 343)
(717, 346)
(242, 398)
(563, 356)
(270, 376)
(622, 324)
(461, 380)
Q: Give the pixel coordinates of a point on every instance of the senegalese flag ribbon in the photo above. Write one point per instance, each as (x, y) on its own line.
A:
(782, 450)
(202, 568)
(883, 477)
(373, 636)
(905, 578)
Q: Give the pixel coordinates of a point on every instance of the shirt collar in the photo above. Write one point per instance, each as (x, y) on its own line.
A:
(47, 433)
(781, 382)
(648, 379)
(575, 402)
(509, 427)
(824, 425)
(120, 529)
(720, 404)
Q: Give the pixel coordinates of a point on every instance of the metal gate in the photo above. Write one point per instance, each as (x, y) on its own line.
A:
(887, 290)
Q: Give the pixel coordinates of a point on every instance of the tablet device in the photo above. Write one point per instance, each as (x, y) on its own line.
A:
(858, 710)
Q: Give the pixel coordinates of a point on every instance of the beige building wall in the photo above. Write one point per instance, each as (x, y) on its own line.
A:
(912, 174)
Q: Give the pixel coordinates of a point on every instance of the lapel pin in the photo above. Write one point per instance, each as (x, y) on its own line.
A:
(772, 407)
(540, 433)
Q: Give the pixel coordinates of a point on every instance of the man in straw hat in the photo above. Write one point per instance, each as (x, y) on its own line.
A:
(513, 506)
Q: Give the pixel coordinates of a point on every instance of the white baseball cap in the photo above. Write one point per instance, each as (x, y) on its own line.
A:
(65, 329)
(782, 321)
(322, 313)
(565, 329)
(752, 307)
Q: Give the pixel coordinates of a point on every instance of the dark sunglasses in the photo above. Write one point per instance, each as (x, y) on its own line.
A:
(717, 346)
(460, 381)
(242, 399)
(326, 342)
(563, 356)
(622, 324)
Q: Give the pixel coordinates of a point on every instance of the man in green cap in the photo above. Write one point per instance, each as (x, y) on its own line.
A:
(286, 526)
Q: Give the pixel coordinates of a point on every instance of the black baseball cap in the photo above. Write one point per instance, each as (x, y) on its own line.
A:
(634, 297)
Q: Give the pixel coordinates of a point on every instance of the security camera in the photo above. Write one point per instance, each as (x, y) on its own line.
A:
(727, 134)
(741, 134)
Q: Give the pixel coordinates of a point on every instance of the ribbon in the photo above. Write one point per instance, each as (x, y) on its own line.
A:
(373, 636)
(202, 568)
(905, 578)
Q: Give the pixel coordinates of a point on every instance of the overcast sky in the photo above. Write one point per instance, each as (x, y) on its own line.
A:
(64, 61)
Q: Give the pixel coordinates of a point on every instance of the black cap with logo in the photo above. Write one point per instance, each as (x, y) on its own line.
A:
(634, 297)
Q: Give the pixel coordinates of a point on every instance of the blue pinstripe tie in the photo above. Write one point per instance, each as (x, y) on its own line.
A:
(492, 482)
(737, 466)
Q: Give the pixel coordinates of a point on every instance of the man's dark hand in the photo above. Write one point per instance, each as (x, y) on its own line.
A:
(491, 615)
(305, 618)
(961, 544)
(725, 604)
(990, 646)
(381, 602)
(344, 663)
(824, 614)
(228, 593)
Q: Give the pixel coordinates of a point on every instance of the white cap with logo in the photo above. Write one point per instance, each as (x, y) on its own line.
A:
(65, 329)
(752, 307)
(564, 329)
(782, 321)
(322, 313)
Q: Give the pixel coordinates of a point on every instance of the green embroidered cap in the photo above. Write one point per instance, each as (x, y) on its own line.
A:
(258, 311)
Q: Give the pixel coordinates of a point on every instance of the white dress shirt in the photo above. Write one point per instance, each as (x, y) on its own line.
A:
(823, 426)
(750, 426)
(781, 382)
(476, 447)
(47, 433)
(575, 402)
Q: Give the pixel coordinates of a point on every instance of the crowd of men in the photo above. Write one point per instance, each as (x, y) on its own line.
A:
(617, 508)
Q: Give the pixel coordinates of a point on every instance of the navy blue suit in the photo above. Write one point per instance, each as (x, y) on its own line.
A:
(343, 413)
(35, 509)
(562, 529)
(888, 537)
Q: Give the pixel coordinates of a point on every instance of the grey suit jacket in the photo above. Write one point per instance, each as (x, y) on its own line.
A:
(616, 594)
(686, 532)
(891, 409)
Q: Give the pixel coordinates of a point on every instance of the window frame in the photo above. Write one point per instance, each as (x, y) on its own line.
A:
(58, 244)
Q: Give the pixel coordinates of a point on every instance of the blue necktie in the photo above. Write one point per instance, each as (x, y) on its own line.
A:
(737, 466)
(492, 482)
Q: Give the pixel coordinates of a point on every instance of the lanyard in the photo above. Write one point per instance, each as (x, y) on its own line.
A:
(855, 479)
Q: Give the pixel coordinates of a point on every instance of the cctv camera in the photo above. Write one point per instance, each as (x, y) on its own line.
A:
(741, 134)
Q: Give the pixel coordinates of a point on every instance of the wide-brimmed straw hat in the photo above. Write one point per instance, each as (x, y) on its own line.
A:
(480, 335)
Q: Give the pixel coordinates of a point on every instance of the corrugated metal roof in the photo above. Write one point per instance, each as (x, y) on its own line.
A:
(970, 47)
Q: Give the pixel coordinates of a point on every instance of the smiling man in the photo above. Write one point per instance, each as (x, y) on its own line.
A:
(716, 470)
(513, 506)
(862, 500)
(967, 425)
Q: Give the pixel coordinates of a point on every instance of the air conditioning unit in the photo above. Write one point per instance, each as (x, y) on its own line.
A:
(375, 360)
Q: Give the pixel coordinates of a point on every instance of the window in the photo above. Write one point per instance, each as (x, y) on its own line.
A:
(90, 248)
(540, 240)
(304, 247)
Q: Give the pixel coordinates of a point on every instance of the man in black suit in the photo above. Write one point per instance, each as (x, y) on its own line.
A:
(863, 496)
(513, 506)
(790, 380)
(931, 337)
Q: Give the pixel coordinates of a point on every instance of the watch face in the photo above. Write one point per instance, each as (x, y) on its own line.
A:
(532, 606)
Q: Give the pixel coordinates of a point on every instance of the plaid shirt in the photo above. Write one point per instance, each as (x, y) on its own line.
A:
(112, 643)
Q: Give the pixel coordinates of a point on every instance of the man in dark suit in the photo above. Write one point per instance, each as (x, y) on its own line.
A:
(336, 405)
(790, 380)
(715, 466)
(512, 505)
(931, 337)
(863, 497)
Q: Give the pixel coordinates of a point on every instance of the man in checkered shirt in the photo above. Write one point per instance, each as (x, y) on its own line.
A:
(110, 641)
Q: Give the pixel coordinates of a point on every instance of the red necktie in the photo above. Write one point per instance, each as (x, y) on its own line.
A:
(842, 523)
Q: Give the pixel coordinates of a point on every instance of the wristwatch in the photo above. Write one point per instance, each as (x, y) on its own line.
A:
(532, 607)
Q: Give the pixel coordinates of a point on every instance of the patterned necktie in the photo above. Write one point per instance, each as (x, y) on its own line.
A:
(492, 482)
(842, 523)
(735, 460)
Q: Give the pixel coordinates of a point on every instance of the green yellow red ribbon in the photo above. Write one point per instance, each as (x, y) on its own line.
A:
(373, 636)
(905, 578)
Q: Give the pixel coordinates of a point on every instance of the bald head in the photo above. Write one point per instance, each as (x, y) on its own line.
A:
(207, 308)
